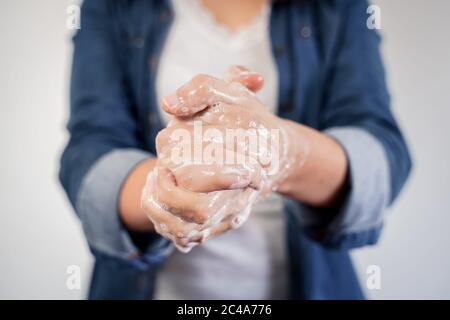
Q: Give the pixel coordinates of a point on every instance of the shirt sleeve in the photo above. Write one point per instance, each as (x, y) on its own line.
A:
(367, 195)
(356, 112)
(97, 205)
(106, 139)
(368, 181)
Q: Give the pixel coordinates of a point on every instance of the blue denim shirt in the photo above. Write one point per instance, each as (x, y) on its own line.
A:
(331, 78)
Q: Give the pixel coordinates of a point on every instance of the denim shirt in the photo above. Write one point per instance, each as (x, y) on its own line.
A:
(331, 78)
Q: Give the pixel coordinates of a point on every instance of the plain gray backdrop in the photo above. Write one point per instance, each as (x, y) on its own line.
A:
(40, 236)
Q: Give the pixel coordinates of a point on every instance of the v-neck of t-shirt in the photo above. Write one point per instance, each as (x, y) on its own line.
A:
(204, 22)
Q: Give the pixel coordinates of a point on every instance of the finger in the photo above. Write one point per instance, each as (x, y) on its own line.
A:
(200, 92)
(190, 206)
(186, 235)
(230, 116)
(234, 219)
(252, 80)
(217, 166)
(165, 223)
(216, 230)
(216, 177)
(186, 143)
(218, 149)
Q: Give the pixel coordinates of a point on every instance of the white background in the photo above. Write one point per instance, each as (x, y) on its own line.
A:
(40, 236)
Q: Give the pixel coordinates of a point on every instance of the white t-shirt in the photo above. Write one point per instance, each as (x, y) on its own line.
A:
(249, 262)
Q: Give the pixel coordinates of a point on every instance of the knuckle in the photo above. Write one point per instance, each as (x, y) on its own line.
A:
(201, 216)
(179, 232)
(185, 180)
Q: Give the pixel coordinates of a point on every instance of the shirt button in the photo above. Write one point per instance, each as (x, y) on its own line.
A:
(305, 32)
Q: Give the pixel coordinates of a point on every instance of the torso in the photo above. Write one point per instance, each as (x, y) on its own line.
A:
(253, 256)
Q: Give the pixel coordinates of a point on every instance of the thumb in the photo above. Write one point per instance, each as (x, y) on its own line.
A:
(252, 80)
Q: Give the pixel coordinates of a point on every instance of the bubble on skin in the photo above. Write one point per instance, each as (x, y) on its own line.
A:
(264, 133)
(238, 170)
(208, 116)
(175, 106)
(213, 136)
(214, 219)
(208, 173)
(240, 88)
(180, 235)
(163, 206)
(218, 216)
(187, 248)
(206, 234)
(242, 217)
(226, 97)
(193, 92)
(241, 182)
(192, 234)
(236, 222)
(215, 197)
(217, 139)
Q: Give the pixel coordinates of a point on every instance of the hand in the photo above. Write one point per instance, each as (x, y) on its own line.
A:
(227, 106)
(177, 200)
(188, 218)
(313, 171)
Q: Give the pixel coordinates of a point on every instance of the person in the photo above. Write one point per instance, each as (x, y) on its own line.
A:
(312, 72)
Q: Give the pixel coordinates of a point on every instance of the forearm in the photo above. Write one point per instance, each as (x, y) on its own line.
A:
(320, 180)
(131, 213)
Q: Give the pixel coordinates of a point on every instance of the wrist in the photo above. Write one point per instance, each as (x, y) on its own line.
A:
(319, 167)
(295, 155)
(131, 213)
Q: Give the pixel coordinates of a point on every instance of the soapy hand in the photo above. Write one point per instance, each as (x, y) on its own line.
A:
(236, 115)
(245, 153)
